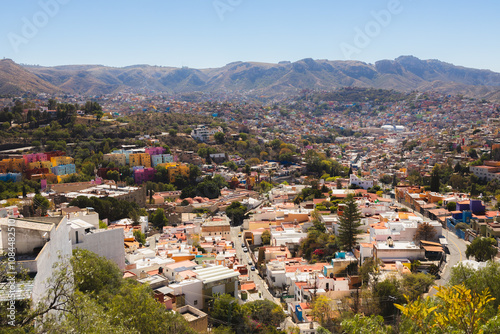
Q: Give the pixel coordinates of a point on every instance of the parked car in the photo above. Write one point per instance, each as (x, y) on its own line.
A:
(252, 268)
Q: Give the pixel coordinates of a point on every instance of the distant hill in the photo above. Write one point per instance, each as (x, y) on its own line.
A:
(14, 79)
(404, 74)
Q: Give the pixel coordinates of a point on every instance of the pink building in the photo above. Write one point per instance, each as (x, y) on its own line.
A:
(155, 150)
(34, 157)
(144, 175)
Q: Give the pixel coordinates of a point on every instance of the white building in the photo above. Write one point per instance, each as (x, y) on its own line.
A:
(486, 172)
(202, 132)
(106, 243)
(40, 243)
(365, 184)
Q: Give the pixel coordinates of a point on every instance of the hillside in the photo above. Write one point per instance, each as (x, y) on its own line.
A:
(14, 79)
(405, 73)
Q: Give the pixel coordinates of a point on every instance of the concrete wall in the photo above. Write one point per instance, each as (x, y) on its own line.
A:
(56, 250)
(107, 243)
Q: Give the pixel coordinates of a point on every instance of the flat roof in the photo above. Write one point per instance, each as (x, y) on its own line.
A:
(27, 224)
(215, 273)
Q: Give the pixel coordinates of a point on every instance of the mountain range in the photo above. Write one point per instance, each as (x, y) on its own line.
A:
(404, 73)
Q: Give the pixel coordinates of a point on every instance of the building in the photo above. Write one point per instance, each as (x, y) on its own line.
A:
(217, 227)
(158, 150)
(33, 157)
(203, 133)
(175, 169)
(69, 191)
(61, 160)
(106, 243)
(196, 319)
(40, 164)
(365, 184)
(11, 177)
(11, 165)
(217, 279)
(64, 169)
(140, 159)
(40, 243)
(161, 159)
(489, 171)
(142, 175)
(119, 159)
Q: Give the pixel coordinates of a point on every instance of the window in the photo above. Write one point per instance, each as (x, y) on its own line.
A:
(195, 302)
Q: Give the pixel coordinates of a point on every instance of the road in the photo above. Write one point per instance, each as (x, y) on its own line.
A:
(457, 248)
(245, 259)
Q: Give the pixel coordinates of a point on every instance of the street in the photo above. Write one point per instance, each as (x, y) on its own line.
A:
(457, 248)
(245, 259)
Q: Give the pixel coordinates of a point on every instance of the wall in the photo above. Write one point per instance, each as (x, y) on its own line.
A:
(56, 250)
(107, 243)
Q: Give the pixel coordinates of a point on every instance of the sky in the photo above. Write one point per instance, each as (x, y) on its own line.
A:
(212, 33)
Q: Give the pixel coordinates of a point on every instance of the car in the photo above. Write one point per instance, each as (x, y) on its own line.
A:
(252, 268)
(245, 250)
(250, 263)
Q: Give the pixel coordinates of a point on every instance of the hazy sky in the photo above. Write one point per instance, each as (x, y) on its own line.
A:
(212, 33)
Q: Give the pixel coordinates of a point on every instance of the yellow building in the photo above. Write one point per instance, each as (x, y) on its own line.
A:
(140, 159)
(118, 159)
(62, 178)
(174, 169)
(40, 164)
(63, 160)
(11, 165)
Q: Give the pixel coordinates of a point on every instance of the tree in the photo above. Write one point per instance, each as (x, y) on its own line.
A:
(227, 310)
(41, 202)
(219, 137)
(359, 324)
(266, 237)
(478, 280)
(368, 268)
(457, 310)
(263, 316)
(237, 212)
(349, 223)
(322, 310)
(425, 231)
(435, 179)
(158, 218)
(139, 237)
(94, 274)
(451, 206)
(482, 249)
(98, 115)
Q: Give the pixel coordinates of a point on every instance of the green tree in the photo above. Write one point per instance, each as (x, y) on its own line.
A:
(42, 203)
(158, 218)
(359, 324)
(451, 206)
(435, 179)
(478, 280)
(139, 237)
(482, 249)
(349, 224)
(237, 212)
(263, 316)
(95, 274)
(227, 310)
(266, 237)
(219, 137)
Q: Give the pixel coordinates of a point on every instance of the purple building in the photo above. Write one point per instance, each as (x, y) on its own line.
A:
(144, 175)
(155, 150)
